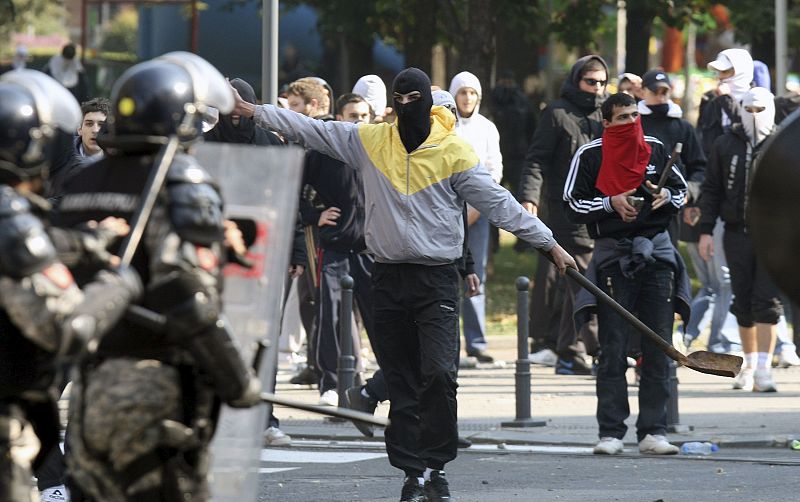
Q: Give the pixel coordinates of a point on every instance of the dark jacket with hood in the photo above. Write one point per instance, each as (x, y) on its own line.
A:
(336, 185)
(728, 174)
(709, 121)
(666, 124)
(564, 126)
(247, 133)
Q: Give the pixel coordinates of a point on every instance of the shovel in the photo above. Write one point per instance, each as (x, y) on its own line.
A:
(702, 361)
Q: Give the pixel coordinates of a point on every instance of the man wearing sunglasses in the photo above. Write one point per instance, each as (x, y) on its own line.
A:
(564, 126)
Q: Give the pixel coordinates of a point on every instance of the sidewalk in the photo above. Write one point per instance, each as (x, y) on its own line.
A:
(709, 409)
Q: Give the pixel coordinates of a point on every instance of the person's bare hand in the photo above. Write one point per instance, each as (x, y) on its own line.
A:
(691, 215)
(116, 225)
(473, 285)
(562, 259)
(241, 107)
(296, 271)
(660, 198)
(706, 247)
(531, 208)
(234, 238)
(620, 204)
(329, 217)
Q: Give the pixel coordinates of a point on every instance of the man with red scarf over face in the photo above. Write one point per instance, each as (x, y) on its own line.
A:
(612, 188)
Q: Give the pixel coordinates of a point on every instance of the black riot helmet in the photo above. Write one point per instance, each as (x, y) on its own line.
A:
(38, 117)
(166, 96)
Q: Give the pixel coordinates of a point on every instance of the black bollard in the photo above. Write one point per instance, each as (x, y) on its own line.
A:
(673, 415)
(522, 376)
(345, 373)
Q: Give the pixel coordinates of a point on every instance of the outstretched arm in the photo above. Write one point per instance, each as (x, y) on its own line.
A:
(336, 139)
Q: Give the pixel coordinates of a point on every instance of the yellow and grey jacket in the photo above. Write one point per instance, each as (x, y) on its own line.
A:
(413, 200)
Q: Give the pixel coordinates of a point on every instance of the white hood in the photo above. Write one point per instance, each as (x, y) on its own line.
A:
(743, 67)
(758, 125)
(674, 112)
(373, 90)
(467, 79)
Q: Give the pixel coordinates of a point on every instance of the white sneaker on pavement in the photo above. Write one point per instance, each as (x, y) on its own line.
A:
(609, 446)
(55, 494)
(329, 398)
(744, 380)
(544, 357)
(763, 382)
(788, 358)
(276, 437)
(655, 444)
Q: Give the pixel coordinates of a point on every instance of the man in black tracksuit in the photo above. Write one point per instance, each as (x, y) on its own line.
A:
(565, 125)
(634, 262)
(342, 246)
(725, 193)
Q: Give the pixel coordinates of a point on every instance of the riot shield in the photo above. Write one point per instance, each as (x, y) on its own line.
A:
(774, 205)
(260, 187)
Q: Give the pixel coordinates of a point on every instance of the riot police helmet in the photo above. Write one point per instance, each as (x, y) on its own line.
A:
(38, 117)
(166, 96)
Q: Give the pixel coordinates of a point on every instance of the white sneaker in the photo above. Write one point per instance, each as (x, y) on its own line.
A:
(654, 444)
(788, 358)
(609, 446)
(544, 357)
(329, 398)
(55, 494)
(763, 382)
(275, 437)
(744, 380)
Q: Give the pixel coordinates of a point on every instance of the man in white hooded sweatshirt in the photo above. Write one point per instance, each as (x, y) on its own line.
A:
(725, 194)
(734, 69)
(482, 135)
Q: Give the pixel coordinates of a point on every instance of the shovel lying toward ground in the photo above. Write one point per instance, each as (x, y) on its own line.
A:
(702, 361)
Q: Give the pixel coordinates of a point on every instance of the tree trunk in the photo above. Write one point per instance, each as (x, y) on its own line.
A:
(421, 35)
(637, 37)
(479, 42)
(672, 52)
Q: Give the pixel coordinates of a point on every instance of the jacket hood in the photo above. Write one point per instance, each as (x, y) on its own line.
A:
(674, 112)
(743, 71)
(373, 90)
(571, 92)
(467, 79)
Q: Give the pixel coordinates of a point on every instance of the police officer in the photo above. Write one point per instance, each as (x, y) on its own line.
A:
(145, 403)
(44, 316)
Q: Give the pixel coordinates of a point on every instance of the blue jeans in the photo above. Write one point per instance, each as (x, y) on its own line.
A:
(474, 309)
(648, 296)
(715, 291)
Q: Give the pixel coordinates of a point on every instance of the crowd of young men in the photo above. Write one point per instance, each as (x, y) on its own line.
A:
(388, 208)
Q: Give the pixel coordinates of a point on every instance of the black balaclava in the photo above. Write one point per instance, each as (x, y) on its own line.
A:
(414, 118)
(586, 101)
(225, 131)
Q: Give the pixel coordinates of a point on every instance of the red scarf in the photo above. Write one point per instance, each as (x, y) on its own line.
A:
(625, 158)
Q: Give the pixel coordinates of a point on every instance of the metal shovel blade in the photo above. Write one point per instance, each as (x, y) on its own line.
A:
(714, 364)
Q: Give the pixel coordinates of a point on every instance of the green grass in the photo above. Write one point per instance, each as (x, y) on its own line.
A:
(501, 289)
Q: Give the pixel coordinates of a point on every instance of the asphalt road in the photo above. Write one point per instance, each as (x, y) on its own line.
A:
(316, 472)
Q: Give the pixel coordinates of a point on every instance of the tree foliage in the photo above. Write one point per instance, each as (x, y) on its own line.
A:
(47, 17)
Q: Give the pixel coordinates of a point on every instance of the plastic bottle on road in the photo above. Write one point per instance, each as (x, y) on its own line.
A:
(698, 448)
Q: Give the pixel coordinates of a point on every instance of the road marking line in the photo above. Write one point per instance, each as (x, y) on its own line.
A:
(291, 456)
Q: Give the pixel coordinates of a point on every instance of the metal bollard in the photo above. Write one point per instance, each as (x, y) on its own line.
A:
(345, 373)
(522, 375)
(673, 415)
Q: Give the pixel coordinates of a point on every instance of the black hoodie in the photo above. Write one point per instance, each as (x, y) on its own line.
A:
(564, 126)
